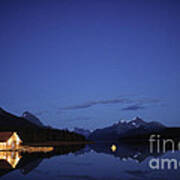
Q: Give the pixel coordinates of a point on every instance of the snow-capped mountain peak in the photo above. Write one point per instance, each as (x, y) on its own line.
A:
(137, 122)
(122, 121)
(30, 117)
(126, 129)
(83, 132)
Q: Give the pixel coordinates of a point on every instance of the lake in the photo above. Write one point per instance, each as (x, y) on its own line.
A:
(102, 161)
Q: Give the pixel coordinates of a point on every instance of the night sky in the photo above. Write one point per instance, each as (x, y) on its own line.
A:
(90, 63)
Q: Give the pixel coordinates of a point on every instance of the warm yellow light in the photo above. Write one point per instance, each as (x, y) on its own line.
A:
(12, 157)
(113, 148)
(30, 149)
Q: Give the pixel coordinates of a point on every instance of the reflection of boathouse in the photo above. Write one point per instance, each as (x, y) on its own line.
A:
(9, 159)
(9, 141)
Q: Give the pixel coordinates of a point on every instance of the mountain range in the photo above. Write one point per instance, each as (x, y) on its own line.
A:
(10, 121)
(84, 132)
(123, 129)
(32, 130)
(32, 118)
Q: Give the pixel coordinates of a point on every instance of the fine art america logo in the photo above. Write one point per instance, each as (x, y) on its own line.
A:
(159, 145)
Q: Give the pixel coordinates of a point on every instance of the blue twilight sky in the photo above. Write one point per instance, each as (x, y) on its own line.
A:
(90, 63)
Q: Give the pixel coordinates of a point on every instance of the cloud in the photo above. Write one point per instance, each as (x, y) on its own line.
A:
(133, 104)
(39, 113)
(93, 103)
(148, 101)
(80, 118)
(133, 108)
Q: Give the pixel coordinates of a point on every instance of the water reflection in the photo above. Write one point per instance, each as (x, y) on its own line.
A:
(9, 159)
(28, 162)
(113, 148)
(124, 151)
(138, 152)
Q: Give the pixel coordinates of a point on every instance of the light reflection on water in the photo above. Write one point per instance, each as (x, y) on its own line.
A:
(94, 162)
(9, 159)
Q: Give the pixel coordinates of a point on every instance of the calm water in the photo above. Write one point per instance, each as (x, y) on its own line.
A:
(93, 162)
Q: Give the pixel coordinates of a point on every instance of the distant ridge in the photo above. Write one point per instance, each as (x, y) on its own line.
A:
(123, 128)
(11, 122)
(32, 118)
(30, 129)
(83, 132)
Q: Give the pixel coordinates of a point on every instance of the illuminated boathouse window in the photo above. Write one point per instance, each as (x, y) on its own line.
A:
(9, 141)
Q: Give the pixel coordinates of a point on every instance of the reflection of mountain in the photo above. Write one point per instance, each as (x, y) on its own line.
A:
(29, 162)
(124, 151)
(25, 162)
(27, 168)
(84, 150)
